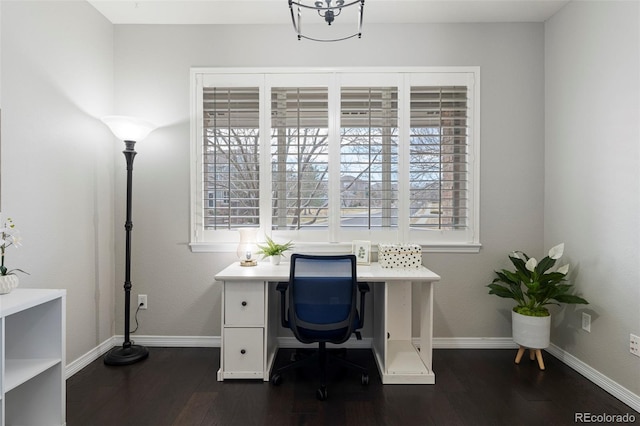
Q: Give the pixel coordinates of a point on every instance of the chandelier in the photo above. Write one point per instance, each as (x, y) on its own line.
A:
(329, 12)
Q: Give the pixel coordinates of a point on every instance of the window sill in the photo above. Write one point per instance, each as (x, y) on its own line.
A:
(210, 247)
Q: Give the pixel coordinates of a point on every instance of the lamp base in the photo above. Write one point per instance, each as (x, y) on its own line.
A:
(126, 355)
(248, 262)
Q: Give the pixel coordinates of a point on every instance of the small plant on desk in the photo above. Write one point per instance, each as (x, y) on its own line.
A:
(273, 249)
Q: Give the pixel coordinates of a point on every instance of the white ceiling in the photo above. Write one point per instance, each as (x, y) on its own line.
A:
(277, 11)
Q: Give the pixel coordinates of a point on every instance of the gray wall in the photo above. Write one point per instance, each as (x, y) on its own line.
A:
(592, 167)
(152, 80)
(63, 173)
(57, 158)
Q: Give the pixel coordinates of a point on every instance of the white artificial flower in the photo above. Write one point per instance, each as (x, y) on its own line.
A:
(531, 264)
(16, 239)
(556, 252)
(564, 269)
(515, 255)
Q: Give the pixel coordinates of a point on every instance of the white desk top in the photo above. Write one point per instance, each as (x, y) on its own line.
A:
(265, 271)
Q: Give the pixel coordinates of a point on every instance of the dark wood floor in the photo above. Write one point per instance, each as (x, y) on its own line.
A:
(177, 386)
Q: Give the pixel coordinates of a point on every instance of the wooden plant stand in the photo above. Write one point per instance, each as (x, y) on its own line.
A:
(533, 355)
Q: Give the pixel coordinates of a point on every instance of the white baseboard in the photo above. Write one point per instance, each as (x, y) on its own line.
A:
(74, 366)
(610, 386)
(614, 388)
(175, 341)
(159, 341)
(471, 343)
(591, 374)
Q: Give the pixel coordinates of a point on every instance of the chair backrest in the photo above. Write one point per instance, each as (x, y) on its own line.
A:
(322, 297)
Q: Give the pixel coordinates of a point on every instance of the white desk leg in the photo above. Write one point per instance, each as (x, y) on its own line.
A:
(379, 291)
(220, 374)
(272, 322)
(426, 324)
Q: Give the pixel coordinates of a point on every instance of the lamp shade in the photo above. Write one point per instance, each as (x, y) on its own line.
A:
(129, 128)
(247, 247)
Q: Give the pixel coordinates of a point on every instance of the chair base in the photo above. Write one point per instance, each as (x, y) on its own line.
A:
(321, 357)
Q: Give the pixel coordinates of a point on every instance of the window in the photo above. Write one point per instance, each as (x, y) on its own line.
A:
(325, 157)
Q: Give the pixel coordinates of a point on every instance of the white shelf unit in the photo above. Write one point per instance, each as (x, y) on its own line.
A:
(32, 348)
(399, 360)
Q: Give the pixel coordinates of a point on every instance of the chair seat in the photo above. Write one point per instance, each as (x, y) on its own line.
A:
(331, 336)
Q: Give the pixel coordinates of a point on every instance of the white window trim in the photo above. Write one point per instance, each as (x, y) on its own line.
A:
(445, 241)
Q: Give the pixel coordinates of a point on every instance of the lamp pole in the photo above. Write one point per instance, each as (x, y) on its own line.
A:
(128, 353)
(129, 154)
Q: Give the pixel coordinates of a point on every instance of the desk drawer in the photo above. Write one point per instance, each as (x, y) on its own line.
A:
(243, 353)
(244, 303)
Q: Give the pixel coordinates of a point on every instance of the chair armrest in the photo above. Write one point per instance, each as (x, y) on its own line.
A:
(282, 288)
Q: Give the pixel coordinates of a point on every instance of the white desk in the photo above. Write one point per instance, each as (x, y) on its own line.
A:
(250, 320)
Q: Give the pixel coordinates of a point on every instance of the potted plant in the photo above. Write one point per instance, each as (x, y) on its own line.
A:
(534, 285)
(273, 250)
(9, 236)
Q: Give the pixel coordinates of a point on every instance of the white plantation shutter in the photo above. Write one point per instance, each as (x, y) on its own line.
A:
(231, 157)
(369, 157)
(438, 157)
(299, 157)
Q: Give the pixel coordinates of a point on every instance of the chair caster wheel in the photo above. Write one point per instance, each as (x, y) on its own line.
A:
(321, 393)
(276, 380)
(364, 379)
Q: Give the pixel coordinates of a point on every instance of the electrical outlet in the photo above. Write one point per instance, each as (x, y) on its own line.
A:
(586, 322)
(142, 301)
(634, 344)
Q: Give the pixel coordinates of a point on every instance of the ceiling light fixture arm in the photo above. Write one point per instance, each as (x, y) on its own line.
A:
(327, 11)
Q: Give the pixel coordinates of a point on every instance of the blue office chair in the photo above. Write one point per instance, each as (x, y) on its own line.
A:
(321, 308)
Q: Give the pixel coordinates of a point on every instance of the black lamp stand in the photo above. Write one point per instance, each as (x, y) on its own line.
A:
(128, 353)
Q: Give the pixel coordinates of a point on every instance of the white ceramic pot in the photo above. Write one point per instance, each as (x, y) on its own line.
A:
(8, 283)
(275, 260)
(531, 332)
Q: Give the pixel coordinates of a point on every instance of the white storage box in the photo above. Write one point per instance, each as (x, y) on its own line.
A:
(400, 255)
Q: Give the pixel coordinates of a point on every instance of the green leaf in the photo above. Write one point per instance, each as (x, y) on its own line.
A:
(570, 298)
(552, 278)
(508, 277)
(520, 264)
(544, 265)
(501, 291)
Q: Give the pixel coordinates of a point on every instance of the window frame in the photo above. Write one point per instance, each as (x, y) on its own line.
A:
(339, 239)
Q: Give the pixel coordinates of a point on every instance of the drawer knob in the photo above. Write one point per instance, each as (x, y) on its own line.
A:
(244, 303)
(242, 351)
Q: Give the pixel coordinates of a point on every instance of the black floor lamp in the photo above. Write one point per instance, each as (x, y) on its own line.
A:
(130, 130)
